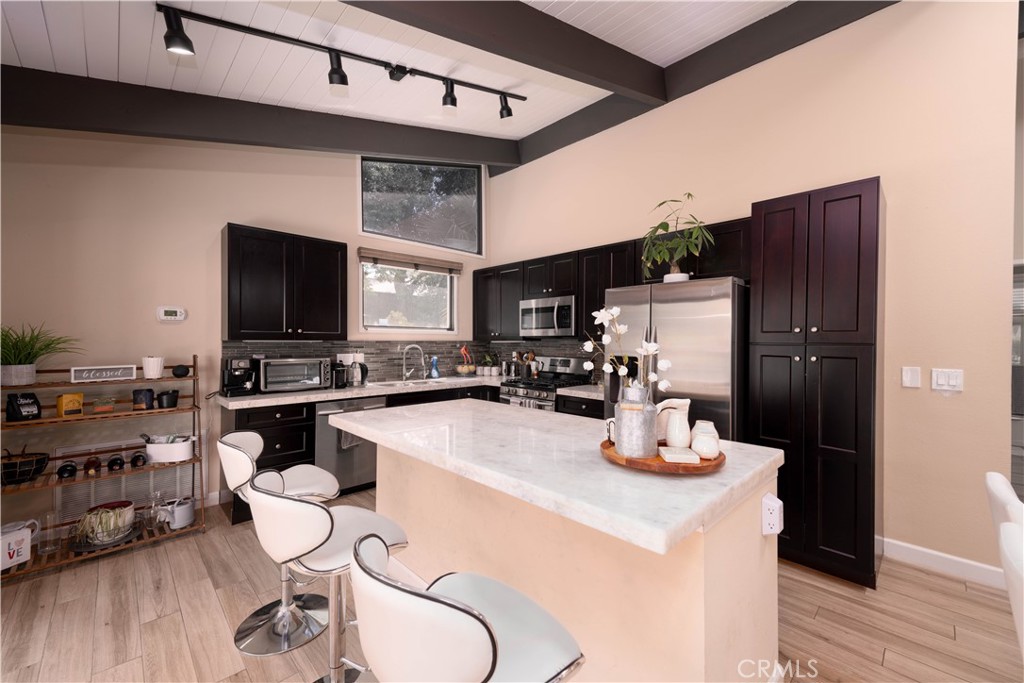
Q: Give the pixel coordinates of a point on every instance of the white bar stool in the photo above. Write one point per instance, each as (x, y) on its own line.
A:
(313, 539)
(462, 627)
(293, 620)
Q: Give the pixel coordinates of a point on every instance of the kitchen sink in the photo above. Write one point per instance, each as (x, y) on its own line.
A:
(413, 382)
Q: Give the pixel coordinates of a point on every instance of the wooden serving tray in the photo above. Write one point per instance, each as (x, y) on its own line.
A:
(657, 464)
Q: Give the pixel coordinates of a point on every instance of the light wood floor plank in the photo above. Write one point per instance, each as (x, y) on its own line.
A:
(33, 606)
(210, 638)
(221, 563)
(68, 652)
(26, 674)
(924, 577)
(794, 605)
(186, 563)
(129, 672)
(834, 660)
(165, 652)
(240, 677)
(154, 584)
(978, 589)
(870, 649)
(980, 607)
(77, 581)
(942, 653)
(239, 601)
(8, 592)
(263, 572)
(1001, 650)
(117, 638)
(919, 671)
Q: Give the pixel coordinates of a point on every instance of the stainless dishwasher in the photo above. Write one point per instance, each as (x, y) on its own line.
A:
(348, 457)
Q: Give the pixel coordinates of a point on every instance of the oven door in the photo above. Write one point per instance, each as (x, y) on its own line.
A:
(552, 317)
(523, 402)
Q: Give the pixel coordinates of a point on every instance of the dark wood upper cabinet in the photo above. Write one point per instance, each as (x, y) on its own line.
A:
(549, 276)
(599, 269)
(814, 269)
(496, 295)
(280, 286)
(728, 256)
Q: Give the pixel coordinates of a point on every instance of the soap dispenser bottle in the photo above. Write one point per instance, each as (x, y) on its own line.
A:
(434, 372)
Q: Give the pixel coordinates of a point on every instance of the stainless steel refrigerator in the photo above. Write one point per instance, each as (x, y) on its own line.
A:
(701, 327)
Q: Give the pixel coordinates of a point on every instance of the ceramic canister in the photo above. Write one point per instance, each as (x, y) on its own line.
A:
(704, 439)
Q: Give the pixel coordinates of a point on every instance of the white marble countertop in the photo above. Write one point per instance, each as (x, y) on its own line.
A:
(371, 389)
(553, 460)
(585, 391)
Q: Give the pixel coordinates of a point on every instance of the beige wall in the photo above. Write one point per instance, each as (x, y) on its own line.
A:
(891, 95)
(99, 230)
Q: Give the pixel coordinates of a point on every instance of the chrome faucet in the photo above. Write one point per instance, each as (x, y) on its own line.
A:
(423, 361)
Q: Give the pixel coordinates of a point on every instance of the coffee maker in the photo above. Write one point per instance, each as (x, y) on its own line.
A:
(239, 377)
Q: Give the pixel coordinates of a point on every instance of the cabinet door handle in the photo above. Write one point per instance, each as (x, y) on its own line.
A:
(583, 406)
(289, 329)
(814, 329)
(277, 446)
(795, 329)
(299, 330)
(814, 359)
(796, 358)
(277, 416)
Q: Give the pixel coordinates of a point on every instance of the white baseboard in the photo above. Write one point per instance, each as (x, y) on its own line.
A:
(941, 563)
(216, 498)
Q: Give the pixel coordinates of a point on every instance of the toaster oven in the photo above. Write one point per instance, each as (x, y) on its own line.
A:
(294, 374)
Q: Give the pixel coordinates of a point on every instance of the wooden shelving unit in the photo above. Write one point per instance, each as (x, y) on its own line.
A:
(48, 481)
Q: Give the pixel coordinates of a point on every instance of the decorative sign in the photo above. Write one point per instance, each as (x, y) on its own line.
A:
(103, 373)
(17, 548)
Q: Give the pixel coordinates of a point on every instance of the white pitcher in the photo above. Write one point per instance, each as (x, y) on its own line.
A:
(665, 410)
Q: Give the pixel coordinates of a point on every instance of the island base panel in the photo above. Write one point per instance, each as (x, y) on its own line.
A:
(700, 612)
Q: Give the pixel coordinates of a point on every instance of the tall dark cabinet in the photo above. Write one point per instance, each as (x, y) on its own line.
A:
(814, 291)
(280, 286)
(496, 295)
(599, 269)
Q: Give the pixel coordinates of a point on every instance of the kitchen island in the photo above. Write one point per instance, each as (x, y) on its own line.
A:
(658, 577)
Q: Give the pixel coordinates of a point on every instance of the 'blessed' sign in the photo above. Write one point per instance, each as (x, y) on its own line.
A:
(103, 373)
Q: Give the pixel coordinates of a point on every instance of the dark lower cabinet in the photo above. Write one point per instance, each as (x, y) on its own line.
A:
(584, 407)
(483, 393)
(280, 286)
(289, 439)
(599, 269)
(816, 402)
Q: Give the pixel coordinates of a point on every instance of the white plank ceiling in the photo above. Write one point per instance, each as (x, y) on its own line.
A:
(123, 41)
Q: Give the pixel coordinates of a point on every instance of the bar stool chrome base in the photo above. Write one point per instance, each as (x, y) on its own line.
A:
(277, 628)
(349, 676)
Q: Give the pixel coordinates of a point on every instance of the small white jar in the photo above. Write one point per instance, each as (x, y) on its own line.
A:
(704, 439)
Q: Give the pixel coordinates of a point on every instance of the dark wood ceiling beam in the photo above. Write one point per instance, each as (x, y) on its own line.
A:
(519, 32)
(48, 100)
(794, 25)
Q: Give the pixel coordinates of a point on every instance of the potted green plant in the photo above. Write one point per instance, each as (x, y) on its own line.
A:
(677, 235)
(20, 350)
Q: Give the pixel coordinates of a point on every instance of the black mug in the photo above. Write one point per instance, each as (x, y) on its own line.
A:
(142, 399)
(167, 399)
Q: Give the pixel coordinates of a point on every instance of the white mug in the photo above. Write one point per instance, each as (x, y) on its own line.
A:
(16, 526)
(152, 367)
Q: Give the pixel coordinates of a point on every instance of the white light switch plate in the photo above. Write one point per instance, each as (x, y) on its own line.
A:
(912, 377)
(947, 380)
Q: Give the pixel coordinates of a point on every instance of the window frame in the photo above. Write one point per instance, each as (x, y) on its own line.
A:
(481, 242)
(385, 329)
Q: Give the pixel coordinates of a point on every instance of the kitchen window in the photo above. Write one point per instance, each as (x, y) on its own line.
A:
(407, 292)
(425, 202)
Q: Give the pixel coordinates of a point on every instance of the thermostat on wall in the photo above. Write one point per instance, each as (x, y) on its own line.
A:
(174, 314)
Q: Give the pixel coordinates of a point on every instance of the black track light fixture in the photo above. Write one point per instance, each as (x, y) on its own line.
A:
(175, 39)
(504, 111)
(449, 99)
(337, 75)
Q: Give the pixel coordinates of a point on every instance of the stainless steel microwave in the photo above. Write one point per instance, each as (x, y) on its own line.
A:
(295, 374)
(551, 317)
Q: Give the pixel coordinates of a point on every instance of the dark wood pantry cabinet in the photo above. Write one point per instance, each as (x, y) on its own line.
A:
(812, 370)
(549, 276)
(496, 295)
(599, 269)
(280, 286)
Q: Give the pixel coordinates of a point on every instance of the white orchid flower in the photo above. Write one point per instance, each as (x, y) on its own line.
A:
(614, 311)
(647, 349)
(602, 317)
(652, 377)
(607, 367)
(588, 346)
(663, 385)
(588, 365)
(623, 371)
(664, 365)
(621, 329)
(606, 339)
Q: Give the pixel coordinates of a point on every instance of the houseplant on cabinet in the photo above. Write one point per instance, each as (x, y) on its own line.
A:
(20, 350)
(670, 240)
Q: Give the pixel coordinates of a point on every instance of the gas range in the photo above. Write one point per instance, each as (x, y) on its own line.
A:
(539, 392)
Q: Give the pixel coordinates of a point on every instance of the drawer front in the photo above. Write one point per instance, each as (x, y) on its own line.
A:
(287, 446)
(585, 407)
(271, 416)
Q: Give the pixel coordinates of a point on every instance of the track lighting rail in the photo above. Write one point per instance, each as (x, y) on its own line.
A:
(395, 71)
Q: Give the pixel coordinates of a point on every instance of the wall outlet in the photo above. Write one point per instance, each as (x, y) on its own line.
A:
(771, 515)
